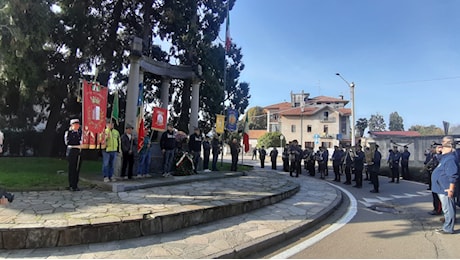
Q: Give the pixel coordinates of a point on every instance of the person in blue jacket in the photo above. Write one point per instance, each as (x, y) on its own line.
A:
(444, 179)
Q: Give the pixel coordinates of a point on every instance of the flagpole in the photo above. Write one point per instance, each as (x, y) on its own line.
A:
(225, 78)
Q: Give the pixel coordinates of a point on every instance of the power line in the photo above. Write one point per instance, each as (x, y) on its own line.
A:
(422, 80)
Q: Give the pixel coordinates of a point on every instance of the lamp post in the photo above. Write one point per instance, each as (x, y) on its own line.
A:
(352, 96)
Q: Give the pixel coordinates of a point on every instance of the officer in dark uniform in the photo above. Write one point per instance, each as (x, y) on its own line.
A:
(394, 164)
(72, 139)
(375, 169)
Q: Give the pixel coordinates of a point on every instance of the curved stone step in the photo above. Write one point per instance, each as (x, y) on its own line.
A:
(94, 217)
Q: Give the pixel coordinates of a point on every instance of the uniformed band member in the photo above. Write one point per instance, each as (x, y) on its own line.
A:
(337, 158)
(375, 169)
(348, 161)
(405, 163)
(358, 166)
(394, 158)
(73, 139)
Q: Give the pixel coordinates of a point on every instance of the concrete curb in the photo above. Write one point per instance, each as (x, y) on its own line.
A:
(272, 239)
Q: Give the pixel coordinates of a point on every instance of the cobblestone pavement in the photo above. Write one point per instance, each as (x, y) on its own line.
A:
(228, 237)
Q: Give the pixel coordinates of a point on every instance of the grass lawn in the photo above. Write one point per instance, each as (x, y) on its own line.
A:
(40, 173)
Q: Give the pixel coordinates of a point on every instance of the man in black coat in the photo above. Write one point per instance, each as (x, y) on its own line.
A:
(128, 147)
(234, 150)
(194, 146)
(262, 154)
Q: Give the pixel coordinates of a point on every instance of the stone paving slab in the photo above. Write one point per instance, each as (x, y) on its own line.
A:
(232, 237)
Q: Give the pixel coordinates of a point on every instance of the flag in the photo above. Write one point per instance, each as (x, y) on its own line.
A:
(159, 118)
(220, 123)
(94, 113)
(246, 135)
(232, 120)
(228, 39)
(140, 118)
(140, 134)
(115, 108)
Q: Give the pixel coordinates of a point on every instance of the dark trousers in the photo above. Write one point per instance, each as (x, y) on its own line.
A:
(74, 167)
(215, 156)
(405, 170)
(262, 162)
(286, 164)
(375, 178)
(234, 162)
(336, 167)
(348, 174)
(273, 164)
(359, 176)
(311, 167)
(437, 206)
(295, 167)
(395, 173)
(206, 159)
(196, 159)
(128, 161)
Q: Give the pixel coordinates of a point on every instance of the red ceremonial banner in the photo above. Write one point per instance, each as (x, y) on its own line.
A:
(94, 114)
(159, 119)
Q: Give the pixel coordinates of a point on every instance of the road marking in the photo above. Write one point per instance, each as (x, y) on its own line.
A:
(351, 212)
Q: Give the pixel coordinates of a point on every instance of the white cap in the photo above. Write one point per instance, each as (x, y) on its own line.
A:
(73, 121)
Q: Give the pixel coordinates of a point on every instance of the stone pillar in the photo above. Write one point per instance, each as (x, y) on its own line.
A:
(165, 82)
(133, 91)
(268, 121)
(194, 105)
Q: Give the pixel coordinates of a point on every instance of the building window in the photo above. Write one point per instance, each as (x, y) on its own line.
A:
(292, 128)
(326, 144)
(326, 129)
(326, 115)
(309, 144)
(308, 128)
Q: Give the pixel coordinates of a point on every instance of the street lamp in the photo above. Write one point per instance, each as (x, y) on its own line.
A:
(352, 96)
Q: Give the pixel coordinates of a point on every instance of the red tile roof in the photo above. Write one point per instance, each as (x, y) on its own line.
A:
(395, 133)
(325, 99)
(255, 134)
(279, 105)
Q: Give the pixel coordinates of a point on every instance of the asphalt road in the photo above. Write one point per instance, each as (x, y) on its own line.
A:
(391, 224)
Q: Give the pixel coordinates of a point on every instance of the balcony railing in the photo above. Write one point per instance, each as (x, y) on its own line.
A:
(328, 120)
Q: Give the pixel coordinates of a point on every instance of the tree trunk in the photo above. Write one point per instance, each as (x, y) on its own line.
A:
(49, 135)
(184, 117)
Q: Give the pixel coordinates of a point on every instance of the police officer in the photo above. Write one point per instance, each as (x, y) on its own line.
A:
(73, 139)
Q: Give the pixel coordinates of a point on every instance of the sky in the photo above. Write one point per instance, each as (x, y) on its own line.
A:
(402, 55)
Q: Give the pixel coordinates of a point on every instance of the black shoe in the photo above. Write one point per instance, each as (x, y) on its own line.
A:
(76, 189)
(374, 191)
(391, 181)
(366, 179)
(356, 186)
(347, 183)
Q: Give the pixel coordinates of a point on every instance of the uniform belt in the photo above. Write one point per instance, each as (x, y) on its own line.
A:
(73, 146)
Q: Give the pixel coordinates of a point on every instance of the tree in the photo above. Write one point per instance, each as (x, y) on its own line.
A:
(396, 122)
(46, 47)
(427, 130)
(377, 123)
(361, 126)
(257, 118)
(271, 139)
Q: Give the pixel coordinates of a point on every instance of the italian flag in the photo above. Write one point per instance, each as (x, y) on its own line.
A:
(246, 135)
(228, 39)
